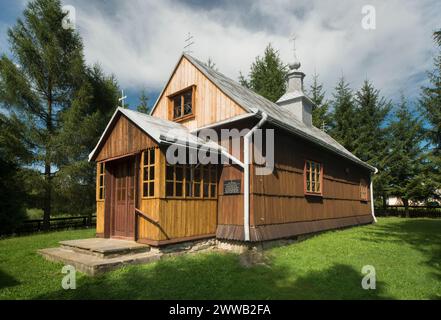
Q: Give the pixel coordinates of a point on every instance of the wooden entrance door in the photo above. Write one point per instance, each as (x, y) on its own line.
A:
(124, 199)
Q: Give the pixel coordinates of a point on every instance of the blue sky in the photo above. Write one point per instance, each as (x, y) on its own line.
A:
(139, 41)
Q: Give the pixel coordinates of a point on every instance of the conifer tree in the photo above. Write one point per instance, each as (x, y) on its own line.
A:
(370, 140)
(343, 125)
(320, 114)
(267, 75)
(430, 103)
(405, 159)
(143, 102)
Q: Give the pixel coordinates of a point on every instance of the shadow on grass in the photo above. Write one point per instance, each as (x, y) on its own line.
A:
(423, 235)
(219, 276)
(6, 280)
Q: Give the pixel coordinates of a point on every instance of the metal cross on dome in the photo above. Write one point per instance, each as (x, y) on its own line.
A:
(122, 99)
(293, 40)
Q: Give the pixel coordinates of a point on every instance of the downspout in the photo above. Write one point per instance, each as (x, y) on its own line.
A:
(372, 195)
(246, 176)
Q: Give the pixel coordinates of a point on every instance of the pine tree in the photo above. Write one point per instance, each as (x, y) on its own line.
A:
(38, 84)
(320, 114)
(211, 64)
(343, 126)
(267, 75)
(405, 166)
(370, 142)
(63, 106)
(143, 102)
(430, 103)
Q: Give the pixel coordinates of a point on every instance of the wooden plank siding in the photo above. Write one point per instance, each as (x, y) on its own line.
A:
(125, 138)
(211, 105)
(280, 198)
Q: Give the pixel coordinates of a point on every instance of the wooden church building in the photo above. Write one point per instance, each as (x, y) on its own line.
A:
(315, 184)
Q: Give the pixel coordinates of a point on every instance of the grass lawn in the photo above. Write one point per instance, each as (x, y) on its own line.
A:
(406, 254)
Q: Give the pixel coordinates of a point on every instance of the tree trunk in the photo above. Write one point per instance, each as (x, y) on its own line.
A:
(47, 166)
(384, 199)
(47, 196)
(406, 208)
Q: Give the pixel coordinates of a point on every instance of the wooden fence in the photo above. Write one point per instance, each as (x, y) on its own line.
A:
(30, 226)
(414, 211)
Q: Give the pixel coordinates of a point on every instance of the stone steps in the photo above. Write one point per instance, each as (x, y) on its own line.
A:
(92, 264)
(97, 255)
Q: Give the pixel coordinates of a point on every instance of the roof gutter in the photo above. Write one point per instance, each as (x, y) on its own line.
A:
(246, 178)
(372, 195)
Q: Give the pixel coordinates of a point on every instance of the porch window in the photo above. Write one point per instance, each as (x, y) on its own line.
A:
(363, 190)
(101, 173)
(191, 181)
(182, 104)
(148, 173)
(313, 173)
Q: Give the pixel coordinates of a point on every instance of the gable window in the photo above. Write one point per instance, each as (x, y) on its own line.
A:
(148, 173)
(100, 180)
(363, 190)
(182, 104)
(313, 174)
(191, 181)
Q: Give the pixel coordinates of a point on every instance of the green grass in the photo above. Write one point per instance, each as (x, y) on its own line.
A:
(406, 254)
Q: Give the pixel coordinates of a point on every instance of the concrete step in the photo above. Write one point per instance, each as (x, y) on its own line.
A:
(91, 264)
(104, 248)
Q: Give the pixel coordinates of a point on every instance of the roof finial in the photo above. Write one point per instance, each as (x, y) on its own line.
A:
(188, 43)
(295, 65)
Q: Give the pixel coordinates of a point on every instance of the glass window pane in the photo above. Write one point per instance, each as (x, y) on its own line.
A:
(177, 107)
(188, 108)
(212, 190)
(206, 189)
(101, 196)
(151, 189)
(169, 189)
(206, 175)
(152, 156)
(197, 190)
(101, 181)
(169, 172)
(197, 174)
(152, 173)
(188, 190)
(145, 191)
(179, 173)
(146, 172)
(179, 189)
(146, 158)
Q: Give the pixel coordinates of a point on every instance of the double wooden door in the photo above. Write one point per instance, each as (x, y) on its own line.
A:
(124, 199)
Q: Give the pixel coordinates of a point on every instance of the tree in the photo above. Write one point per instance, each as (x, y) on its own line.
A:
(14, 151)
(143, 102)
(430, 102)
(62, 104)
(343, 128)
(405, 166)
(267, 75)
(370, 142)
(211, 64)
(81, 126)
(320, 113)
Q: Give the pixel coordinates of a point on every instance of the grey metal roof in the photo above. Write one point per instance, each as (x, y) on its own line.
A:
(282, 117)
(160, 130)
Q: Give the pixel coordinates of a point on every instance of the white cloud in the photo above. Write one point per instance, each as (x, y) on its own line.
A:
(140, 41)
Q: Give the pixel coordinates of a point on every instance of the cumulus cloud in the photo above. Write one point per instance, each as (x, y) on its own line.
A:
(140, 41)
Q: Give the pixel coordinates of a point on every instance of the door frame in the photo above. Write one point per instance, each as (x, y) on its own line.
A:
(109, 225)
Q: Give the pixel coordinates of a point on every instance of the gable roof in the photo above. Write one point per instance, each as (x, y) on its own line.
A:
(161, 131)
(279, 116)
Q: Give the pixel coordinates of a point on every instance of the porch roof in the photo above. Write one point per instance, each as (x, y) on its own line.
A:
(162, 131)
